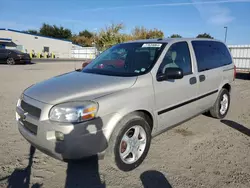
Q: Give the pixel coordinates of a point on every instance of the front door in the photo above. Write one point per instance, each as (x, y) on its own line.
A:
(175, 98)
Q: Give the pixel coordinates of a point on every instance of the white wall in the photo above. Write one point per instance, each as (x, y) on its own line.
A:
(30, 42)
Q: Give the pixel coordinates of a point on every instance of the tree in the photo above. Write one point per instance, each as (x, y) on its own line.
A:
(139, 33)
(54, 31)
(86, 33)
(143, 33)
(204, 35)
(175, 36)
(155, 33)
(82, 40)
(31, 31)
(110, 36)
(106, 38)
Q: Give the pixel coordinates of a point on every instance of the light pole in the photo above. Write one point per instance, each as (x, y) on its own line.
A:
(94, 43)
(225, 34)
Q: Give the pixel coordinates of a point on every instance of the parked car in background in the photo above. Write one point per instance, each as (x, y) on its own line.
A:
(128, 94)
(85, 63)
(12, 57)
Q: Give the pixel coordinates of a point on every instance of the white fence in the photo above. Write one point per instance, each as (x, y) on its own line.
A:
(84, 53)
(241, 56)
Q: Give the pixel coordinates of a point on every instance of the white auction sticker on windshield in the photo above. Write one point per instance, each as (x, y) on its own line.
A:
(151, 45)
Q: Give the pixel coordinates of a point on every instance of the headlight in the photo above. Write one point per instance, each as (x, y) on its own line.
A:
(18, 103)
(74, 111)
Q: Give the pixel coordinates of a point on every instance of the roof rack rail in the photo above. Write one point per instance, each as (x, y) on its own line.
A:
(159, 39)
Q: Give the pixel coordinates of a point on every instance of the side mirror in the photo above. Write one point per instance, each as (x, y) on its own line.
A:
(170, 73)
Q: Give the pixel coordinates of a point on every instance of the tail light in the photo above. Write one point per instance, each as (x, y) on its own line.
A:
(234, 72)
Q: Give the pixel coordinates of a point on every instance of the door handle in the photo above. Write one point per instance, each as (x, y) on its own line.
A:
(202, 78)
(193, 80)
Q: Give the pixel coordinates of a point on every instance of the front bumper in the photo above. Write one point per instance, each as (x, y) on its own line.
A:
(80, 140)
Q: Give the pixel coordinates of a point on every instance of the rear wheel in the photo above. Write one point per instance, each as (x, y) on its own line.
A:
(10, 61)
(221, 106)
(130, 142)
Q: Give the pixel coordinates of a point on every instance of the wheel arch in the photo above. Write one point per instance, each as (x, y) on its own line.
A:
(227, 86)
(118, 117)
(149, 118)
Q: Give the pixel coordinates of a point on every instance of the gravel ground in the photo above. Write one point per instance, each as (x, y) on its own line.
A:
(202, 152)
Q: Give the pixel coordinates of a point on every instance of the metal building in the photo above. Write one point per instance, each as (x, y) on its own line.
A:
(35, 44)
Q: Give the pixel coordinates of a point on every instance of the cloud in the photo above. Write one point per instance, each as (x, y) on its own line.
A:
(220, 16)
(215, 14)
(193, 2)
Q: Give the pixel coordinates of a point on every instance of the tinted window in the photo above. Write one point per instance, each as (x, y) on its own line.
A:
(211, 54)
(128, 59)
(178, 55)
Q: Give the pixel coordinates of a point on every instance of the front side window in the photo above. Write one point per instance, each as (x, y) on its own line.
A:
(177, 56)
(211, 55)
(127, 59)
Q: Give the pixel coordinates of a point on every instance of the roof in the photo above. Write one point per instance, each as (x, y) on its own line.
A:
(168, 40)
(23, 32)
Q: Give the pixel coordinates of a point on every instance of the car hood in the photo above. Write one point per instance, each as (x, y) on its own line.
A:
(77, 86)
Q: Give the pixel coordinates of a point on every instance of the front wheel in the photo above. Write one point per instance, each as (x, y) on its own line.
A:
(130, 142)
(10, 61)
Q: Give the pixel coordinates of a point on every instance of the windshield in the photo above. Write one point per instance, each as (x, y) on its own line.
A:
(127, 59)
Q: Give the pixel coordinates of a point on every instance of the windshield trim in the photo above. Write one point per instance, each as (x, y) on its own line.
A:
(122, 74)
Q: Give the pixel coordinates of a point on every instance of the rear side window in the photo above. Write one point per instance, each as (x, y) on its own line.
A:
(211, 55)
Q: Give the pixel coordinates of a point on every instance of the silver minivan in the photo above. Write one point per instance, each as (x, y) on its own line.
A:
(128, 94)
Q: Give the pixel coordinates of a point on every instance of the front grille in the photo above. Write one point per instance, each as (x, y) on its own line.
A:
(32, 110)
(30, 127)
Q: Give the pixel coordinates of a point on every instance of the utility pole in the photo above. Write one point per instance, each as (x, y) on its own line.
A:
(225, 34)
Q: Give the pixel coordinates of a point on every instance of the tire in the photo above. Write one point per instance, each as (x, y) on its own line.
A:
(218, 111)
(117, 145)
(10, 61)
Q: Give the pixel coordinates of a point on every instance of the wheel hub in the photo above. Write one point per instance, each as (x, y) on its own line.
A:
(224, 104)
(133, 144)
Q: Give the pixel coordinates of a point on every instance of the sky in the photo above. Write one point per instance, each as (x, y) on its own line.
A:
(185, 17)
